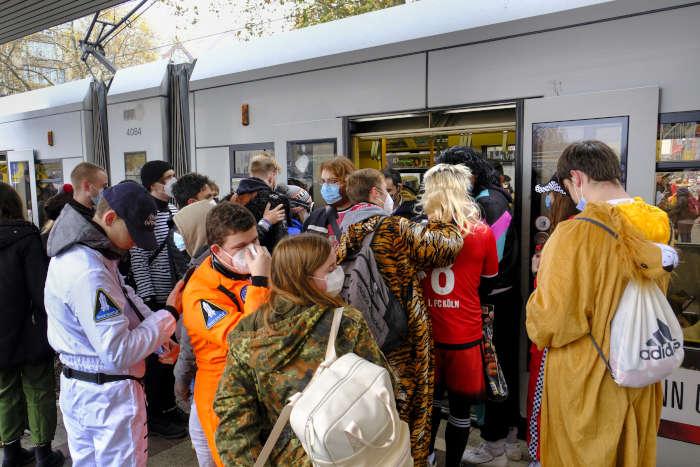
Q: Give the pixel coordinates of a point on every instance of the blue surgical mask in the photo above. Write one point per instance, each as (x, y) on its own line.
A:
(581, 205)
(97, 198)
(548, 201)
(331, 193)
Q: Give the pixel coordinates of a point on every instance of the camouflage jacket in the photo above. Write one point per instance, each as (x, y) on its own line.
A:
(267, 363)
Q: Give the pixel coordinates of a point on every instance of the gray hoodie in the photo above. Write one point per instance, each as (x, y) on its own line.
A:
(71, 228)
(353, 217)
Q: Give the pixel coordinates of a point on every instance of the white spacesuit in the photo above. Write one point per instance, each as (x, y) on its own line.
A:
(103, 333)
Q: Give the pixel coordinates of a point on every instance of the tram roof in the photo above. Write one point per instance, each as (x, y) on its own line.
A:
(66, 97)
(139, 82)
(20, 18)
(378, 34)
(411, 28)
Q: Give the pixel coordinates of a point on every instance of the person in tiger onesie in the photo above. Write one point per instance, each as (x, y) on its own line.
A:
(402, 249)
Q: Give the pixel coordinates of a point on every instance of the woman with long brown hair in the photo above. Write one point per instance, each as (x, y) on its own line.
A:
(560, 207)
(274, 352)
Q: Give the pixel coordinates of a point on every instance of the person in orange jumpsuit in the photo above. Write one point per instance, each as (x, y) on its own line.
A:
(230, 284)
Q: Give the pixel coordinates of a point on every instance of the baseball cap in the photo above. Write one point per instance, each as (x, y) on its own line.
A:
(136, 207)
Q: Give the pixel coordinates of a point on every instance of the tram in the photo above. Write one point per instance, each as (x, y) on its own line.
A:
(517, 81)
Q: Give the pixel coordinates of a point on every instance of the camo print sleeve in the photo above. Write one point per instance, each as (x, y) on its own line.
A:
(430, 245)
(238, 437)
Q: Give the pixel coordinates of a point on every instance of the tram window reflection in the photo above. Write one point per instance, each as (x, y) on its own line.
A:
(678, 193)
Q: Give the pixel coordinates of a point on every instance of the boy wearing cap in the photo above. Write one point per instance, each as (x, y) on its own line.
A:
(102, 329)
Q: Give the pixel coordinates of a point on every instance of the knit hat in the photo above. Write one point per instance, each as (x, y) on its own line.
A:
(153, 171)
(298, 197)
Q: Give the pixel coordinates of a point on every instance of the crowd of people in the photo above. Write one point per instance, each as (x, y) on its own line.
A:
(173, 313)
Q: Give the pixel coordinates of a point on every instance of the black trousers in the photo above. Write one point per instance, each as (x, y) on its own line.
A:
(159, 383)
(500, 416)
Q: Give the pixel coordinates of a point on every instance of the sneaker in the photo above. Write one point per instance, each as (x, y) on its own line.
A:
(178, 416)
(166, 429)
(513, 451)
(485, 452)
(432, 460)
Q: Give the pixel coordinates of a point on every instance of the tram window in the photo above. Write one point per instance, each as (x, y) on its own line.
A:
(133, 162)
(678, 193)
(679, 141)
(239, 158)
(548, 142)
(304, 159)
(4, 174)
(49, 181)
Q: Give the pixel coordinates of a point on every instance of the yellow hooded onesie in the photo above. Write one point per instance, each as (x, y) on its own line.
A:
(586, 418)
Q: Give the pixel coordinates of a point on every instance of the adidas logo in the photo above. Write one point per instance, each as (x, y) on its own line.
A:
(662, 344)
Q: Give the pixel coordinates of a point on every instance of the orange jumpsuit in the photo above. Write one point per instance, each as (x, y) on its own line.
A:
(213, 303)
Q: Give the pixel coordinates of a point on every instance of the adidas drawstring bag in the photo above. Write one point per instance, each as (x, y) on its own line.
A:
(646, 340)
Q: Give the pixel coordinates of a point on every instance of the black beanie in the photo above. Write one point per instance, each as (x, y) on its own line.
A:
(153, 171)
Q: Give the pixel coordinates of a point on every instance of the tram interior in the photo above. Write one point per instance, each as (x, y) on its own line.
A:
(410, 142)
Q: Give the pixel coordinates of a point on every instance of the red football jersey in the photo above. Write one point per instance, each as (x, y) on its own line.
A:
(452, 293)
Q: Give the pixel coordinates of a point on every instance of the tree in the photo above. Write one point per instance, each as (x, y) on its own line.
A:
(315, 12)
(258, 15)
(53, 56)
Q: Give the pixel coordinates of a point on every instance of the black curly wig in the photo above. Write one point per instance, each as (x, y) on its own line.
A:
(483, 172)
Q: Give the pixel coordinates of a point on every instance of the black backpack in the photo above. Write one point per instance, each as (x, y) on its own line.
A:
(365, 289)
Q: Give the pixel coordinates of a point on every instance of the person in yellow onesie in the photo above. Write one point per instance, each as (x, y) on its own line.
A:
(586, 418)
(230, 284)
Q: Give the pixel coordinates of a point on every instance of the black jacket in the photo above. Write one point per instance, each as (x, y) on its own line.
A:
(495, 207)
(23, 266)
(264, 195)
(321, 220)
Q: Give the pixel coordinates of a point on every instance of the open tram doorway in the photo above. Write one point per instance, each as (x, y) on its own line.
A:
(410, 142)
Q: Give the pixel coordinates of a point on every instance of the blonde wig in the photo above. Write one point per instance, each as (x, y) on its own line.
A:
(447, 199)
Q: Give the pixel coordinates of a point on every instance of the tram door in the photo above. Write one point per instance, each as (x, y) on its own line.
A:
(627, 120)
(22, 177)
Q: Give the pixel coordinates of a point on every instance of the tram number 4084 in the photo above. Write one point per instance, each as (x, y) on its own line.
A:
(133, 131)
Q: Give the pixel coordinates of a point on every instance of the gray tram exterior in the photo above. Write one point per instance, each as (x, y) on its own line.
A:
(390, 88)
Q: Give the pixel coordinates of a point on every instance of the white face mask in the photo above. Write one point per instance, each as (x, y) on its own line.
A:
(168, 187)
(334, 281)
(389, 204)
(237, 263)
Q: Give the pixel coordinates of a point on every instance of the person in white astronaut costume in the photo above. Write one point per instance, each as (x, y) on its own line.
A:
(101, 328)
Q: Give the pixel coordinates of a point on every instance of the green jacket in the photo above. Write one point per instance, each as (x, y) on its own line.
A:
(269, 362)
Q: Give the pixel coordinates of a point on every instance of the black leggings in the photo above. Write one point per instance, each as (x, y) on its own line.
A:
(458, 424)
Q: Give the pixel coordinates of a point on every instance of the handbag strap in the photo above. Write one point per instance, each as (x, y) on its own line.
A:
(614, 235)
(287, 410)
(600, 352)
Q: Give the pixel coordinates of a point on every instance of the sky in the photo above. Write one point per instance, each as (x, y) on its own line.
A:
(210, 29)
